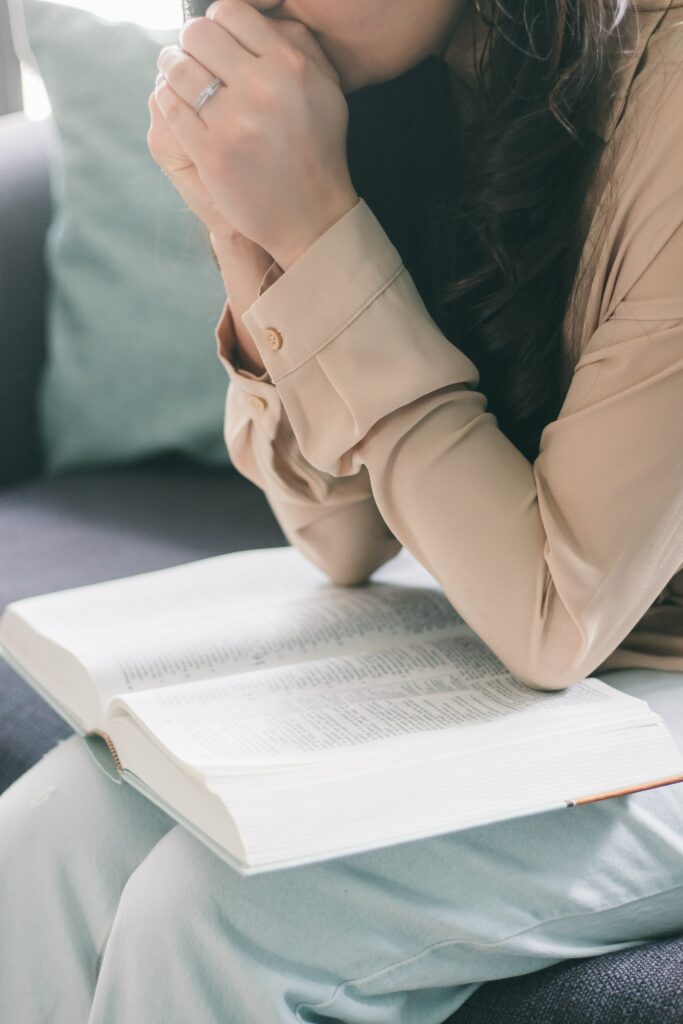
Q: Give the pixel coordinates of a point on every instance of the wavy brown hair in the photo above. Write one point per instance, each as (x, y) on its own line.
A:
(486, 214)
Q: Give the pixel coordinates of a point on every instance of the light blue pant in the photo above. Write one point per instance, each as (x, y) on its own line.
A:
(111, 914)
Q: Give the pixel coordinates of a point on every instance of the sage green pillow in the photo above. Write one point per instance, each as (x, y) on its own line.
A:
(134, 293)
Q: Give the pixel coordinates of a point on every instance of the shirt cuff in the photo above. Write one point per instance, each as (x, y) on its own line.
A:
(271, 275)
(226, 335)
(347, 339)
(255, 394)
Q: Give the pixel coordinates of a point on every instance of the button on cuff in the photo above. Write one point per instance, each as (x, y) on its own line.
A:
(274, 338)
(257, 403)
(329, 287)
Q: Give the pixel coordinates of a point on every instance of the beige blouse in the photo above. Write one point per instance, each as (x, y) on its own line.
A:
(368, 433)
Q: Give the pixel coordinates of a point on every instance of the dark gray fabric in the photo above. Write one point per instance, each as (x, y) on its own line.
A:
(83, 528)
(24, 218)
(642, 985)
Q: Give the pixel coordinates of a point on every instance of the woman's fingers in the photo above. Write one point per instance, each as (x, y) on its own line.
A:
(213, 47)
(181, 118)
(277, 126)
(177, 165)
(212, 50)
(245, 21)
(186, 76)
(247, 25)
(301, 38)
(162, 141)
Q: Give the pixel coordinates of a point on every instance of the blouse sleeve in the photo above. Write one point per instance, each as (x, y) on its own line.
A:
(553, 563)
(334, 522)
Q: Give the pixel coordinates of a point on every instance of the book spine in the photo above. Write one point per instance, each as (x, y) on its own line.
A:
(110, 747)
(621, 792)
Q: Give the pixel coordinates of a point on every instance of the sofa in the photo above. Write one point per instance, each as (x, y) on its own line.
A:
(91, 525)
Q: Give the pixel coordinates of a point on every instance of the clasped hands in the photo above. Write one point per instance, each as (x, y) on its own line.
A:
(265, 157)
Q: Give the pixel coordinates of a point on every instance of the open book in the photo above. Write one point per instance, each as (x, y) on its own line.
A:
(284, 719)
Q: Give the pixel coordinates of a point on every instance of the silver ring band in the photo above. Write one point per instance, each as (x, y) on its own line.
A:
(207, 93)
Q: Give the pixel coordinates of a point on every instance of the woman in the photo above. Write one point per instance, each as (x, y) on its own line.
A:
(503, 398)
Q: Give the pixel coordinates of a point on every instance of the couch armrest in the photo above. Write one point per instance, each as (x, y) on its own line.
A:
(24, 217)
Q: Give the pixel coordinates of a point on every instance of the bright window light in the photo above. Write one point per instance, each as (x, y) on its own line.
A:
(150, 13)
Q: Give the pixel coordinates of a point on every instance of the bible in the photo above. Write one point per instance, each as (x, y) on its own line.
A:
(285, 719)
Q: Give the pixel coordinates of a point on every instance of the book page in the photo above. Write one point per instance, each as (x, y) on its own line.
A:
(178, 600)
(210, 584)
(51, 638)
(235, 580)
(210, 617)
(303, 711)
(335, 621)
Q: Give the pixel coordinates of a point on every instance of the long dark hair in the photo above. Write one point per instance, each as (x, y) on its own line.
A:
(487, 214)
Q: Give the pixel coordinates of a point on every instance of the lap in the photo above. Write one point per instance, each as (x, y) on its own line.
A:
(65, 810)
(417, 927)
(412, 929)
(69, 839)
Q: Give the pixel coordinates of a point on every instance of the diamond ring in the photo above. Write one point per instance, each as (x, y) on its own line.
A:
(207, 93)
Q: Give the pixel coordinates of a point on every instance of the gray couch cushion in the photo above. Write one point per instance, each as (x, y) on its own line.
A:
(642, 985)
(83, 528)
(24, 216)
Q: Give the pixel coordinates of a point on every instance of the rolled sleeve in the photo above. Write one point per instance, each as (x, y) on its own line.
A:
(335, 523)
(356, 340)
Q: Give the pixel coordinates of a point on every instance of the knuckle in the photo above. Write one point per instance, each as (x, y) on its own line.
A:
(179, 72)
(192, 32)
(223, 11)
(294, 60)
(172, 109)
(263, 91)
(243, 129)
(228, 7)
(300, 30)
(245, 138)
(294, 30)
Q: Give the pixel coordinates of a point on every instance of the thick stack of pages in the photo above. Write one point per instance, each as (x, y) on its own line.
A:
(286, 720)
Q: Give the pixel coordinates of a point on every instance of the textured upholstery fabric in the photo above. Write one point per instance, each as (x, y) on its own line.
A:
(24, 217)
(643, 985)
(83, 528)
